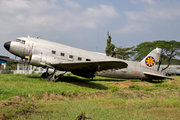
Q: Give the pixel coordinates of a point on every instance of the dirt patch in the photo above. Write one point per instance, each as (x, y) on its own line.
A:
(125, 94)
(48, 96)
(18, 99)
(15, 106)
(18, 106)
(126, 84)
(3, 117)
(74, 96)
(98, 94)
(145, 84)
(173, 82)
(51, 96)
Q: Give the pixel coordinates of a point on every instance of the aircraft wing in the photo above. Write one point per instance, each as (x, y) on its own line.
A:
(157, 75)
(92, 66)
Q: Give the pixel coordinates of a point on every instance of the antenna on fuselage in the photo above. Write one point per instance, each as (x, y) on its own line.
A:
(97, 42)
(38, 37)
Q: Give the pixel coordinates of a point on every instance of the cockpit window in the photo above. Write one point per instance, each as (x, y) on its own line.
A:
(18, 40)
(23, 41)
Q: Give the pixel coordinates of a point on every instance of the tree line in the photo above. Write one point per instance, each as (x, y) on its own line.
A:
(170, 49)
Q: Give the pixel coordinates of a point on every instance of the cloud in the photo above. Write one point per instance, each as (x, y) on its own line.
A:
(143, 1)
(101, 11)
(71, 4)
(98, 16)
(25, 6)
(130, 28)
(153, 13)
(46, 15)
(148, 1)
(159, 13)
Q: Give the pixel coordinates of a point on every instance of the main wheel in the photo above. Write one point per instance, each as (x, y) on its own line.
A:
(50, 78)
(45, 75)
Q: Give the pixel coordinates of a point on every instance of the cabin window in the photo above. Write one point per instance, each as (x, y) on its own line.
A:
(62, 54)
(88, 60)
(53, 52)
(79, 58)
(70, 56)
(23, 42)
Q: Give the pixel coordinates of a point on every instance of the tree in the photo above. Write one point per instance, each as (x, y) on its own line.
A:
(118, 52)
(124, 53)
(142, 50)
(110, 47)
(170, 49)
(12, 65)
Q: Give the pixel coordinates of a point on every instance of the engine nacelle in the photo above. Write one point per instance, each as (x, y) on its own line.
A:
(42, 60)
(38, 60)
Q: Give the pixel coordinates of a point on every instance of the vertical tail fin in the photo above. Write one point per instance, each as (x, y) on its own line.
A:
(153, 57)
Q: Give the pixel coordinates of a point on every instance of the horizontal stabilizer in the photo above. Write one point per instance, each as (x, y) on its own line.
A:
(157, 75)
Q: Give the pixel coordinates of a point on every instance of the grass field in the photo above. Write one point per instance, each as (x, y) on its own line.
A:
(31, 97)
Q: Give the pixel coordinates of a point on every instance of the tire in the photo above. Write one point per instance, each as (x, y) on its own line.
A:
(50, 78)
(45, 75)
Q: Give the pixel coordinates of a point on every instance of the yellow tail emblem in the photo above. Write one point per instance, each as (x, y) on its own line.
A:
(150, 61)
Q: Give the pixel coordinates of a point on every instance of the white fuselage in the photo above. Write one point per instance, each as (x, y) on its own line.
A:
(50, 52)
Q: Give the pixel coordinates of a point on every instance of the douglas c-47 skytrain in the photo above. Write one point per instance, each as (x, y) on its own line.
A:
(83, 63)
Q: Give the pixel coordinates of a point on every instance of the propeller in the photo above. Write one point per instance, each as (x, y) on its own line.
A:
(28, 62)
(28, 58)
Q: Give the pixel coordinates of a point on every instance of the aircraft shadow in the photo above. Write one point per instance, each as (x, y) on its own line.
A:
(76, 81)
(82, 82)
(33, 77)
(154, 81)
(90, 82)
(108, 80)
(132, 80)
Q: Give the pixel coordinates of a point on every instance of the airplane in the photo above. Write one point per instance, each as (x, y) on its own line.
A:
(47, 54)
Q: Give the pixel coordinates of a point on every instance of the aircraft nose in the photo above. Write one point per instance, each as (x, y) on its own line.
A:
(7, 45)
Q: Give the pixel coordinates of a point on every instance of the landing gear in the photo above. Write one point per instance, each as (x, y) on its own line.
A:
(53, 77)
(45, 74)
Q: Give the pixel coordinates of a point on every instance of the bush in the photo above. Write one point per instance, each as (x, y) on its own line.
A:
(7, 70)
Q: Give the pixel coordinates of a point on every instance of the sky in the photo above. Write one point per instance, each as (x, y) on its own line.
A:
(84, 23)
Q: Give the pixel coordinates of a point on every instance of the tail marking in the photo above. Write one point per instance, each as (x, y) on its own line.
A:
(150, 61)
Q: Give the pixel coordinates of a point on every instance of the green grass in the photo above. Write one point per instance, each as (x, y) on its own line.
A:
(31, 97)
(12, 85)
